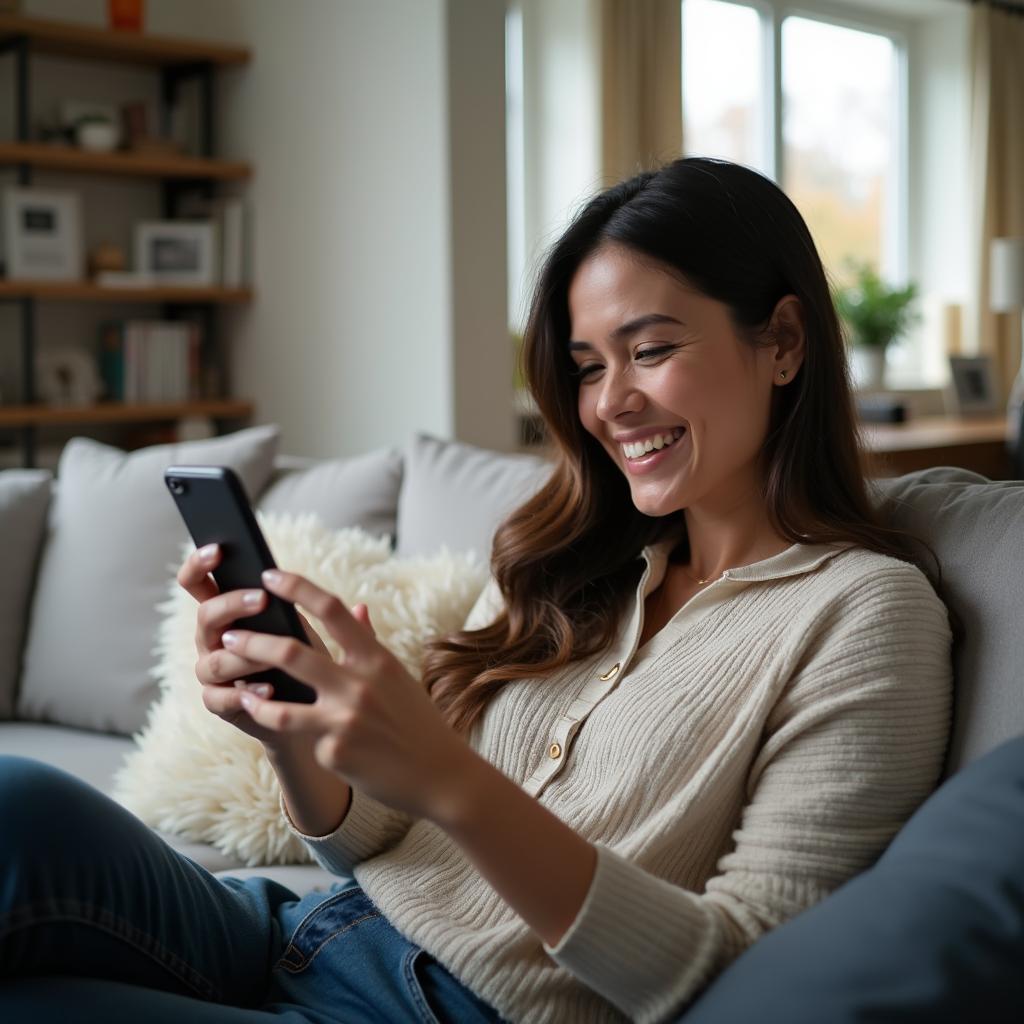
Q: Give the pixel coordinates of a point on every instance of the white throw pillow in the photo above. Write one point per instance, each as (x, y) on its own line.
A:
(113, 535)
(194, 775)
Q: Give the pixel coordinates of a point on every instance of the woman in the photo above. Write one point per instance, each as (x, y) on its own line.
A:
(704, 687)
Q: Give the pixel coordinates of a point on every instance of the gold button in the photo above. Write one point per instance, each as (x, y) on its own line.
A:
(554, 751)
(611, 673)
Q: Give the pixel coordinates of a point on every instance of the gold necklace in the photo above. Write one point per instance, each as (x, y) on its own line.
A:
(700, 583)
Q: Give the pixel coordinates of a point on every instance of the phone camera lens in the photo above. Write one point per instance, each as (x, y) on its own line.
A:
(177, 487)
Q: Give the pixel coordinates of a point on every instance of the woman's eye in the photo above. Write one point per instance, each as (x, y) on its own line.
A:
(585, 370)
(659, 350)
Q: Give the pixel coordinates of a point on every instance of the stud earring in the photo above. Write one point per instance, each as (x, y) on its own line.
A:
(782, 374)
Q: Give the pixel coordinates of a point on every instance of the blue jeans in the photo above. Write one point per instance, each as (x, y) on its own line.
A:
(102, 921)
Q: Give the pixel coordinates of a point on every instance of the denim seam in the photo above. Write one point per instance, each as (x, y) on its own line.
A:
(415, 989)
(294, 967)
(77, 912)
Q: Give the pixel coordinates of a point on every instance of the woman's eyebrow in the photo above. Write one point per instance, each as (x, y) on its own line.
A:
(623, 331)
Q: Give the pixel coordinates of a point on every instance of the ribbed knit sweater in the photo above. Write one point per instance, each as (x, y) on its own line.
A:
(759, 750)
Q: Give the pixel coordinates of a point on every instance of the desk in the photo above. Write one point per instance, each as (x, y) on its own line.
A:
(971, 442)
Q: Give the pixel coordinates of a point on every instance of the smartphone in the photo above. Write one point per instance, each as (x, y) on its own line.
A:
(213, 503)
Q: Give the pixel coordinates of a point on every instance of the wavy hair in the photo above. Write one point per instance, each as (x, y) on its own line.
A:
(566, 560)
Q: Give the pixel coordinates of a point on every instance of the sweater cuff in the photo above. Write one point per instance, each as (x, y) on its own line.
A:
(644, 944)
(355, 839)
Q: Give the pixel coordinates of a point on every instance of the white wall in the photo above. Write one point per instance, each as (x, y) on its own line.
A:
(371, 287)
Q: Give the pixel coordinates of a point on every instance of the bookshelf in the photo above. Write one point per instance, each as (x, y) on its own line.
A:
(177, 61)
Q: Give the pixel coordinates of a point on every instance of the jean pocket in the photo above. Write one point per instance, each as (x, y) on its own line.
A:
(412, 981)
(327, 920)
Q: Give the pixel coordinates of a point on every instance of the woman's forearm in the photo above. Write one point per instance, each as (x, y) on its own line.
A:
(539, 865)
(317, 799)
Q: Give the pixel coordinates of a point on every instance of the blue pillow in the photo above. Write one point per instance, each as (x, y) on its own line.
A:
(934, 931)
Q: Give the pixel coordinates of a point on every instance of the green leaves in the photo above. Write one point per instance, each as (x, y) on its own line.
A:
(874, 313)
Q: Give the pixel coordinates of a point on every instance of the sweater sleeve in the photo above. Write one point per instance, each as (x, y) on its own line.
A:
(368, 828)
(852, 746)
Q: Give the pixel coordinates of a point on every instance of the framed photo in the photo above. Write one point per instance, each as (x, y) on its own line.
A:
(42, 235)
(176, 252)
(972, 384)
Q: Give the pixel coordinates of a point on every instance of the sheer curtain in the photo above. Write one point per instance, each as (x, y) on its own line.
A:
(641, 86)
(996, 172)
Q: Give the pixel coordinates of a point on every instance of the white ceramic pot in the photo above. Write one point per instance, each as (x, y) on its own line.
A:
(869, 368)
(97, 136)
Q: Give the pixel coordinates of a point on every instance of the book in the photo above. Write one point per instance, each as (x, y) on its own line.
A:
(150, 360)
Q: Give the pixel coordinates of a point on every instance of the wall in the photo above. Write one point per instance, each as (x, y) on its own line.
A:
(378, 311)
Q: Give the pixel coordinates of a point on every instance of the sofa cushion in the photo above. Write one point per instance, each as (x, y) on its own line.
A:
(24, 499)
(114, 534)
(976, 527)
(359, 491)
(456, 495)
(933, 932)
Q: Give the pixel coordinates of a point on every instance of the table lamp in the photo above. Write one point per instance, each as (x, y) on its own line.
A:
(1006, 294)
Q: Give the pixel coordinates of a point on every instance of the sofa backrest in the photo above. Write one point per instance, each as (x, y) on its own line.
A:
(976, 528)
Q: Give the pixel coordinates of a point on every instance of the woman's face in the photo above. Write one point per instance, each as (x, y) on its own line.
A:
(678, 401)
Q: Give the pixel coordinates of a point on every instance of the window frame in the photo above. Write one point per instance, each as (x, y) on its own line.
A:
(895, 261)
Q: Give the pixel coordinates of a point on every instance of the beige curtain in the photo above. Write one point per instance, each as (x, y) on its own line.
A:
(641, 86)
(996, 173)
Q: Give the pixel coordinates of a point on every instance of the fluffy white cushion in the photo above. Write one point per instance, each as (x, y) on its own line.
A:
(198, 777)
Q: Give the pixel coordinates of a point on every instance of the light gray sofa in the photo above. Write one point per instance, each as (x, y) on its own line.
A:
(86, 557)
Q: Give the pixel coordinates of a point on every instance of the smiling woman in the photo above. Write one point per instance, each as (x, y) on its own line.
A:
(704, 688)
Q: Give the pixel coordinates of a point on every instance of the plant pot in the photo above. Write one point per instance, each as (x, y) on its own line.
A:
(868, 368)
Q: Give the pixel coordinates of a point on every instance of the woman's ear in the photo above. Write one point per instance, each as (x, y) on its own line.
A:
(786, 330)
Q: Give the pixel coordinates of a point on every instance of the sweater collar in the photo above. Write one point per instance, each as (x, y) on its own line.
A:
(795, 560)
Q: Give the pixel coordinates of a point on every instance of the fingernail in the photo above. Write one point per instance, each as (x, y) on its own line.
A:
(261, 689)
(252, 598)
(208, 553)
(229, 639)
(248, 701)
(271, 577)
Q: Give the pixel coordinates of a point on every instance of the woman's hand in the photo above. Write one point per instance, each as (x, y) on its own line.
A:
(223, 673)
(372, 723)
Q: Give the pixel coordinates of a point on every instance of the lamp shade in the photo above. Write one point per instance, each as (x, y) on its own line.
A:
(1006, 275)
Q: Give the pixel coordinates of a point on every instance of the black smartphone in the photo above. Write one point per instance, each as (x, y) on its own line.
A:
(216, 510)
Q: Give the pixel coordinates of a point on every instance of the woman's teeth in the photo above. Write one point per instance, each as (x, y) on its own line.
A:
(637, 449)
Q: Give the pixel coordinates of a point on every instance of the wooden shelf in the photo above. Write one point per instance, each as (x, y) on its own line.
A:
(146, 165)
(121, 412)
(70, 40)
(85, 291)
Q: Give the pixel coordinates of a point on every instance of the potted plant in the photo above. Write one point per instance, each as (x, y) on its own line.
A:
(875, 315)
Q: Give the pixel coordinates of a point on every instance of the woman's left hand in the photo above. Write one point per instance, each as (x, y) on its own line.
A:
(372, 722)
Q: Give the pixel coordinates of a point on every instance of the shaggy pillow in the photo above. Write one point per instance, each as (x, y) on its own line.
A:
(194, 775)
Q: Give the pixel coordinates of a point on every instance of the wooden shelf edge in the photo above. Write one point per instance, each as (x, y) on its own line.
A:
(71, 39)
(13, 416)
(67, 158)
(85, 291)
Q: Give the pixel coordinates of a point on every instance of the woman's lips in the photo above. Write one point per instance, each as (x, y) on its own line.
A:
(652, 461)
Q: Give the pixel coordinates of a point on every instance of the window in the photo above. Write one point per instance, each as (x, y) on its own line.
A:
(725, 108)
(840, 84)
(835, 83)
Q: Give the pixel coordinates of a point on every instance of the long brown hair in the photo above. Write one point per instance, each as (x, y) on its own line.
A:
(566, 560)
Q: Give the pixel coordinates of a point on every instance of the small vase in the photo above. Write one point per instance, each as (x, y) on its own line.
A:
(869, 365)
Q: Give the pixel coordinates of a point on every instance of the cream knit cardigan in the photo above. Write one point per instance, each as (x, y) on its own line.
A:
(761, 749)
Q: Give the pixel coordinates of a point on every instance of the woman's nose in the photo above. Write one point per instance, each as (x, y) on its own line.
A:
(618, 394)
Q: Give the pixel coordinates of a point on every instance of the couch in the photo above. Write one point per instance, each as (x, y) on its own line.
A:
(86, 556)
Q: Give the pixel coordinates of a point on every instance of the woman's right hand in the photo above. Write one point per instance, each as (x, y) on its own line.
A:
(223, 674)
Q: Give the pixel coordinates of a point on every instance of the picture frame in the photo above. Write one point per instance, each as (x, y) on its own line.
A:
(42, 235)
(972, 384)
(176, 252)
